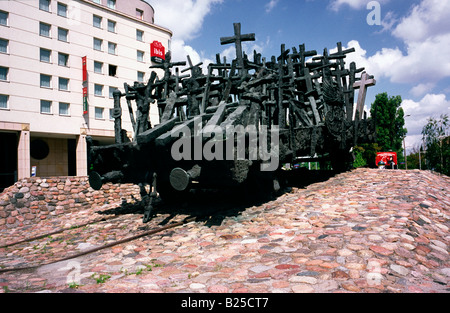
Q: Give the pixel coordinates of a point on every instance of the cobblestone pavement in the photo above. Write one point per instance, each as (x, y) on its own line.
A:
(363, 231)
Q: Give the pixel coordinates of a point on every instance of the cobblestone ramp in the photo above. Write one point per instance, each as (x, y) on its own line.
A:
(363, 231)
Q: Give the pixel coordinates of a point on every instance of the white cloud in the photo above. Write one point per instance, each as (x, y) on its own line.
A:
(431, 105)
(424, 61)
(388, 22)
(336, 5)
(184, 18)
(422, 89)
(430, 18)
(271, 5)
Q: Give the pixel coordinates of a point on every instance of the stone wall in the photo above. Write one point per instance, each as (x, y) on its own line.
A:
(32, 200)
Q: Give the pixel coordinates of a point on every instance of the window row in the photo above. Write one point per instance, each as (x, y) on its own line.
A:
(112, 49)
(100, 112)
(61, 8)
(47, 108)
(45, 30)
(97, 21)
(98, 45)
(63, 109)
(63, 83)
(98, 90)
(112, 70)
(45, 55)
(46, 82)
(45, 5)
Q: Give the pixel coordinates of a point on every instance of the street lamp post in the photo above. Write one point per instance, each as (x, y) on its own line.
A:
(420, 159)
(404, 147)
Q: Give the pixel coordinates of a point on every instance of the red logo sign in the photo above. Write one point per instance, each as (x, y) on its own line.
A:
(157, 52)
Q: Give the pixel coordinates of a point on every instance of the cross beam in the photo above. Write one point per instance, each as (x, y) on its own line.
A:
(191, 65)
(237, 39)
(365, 82)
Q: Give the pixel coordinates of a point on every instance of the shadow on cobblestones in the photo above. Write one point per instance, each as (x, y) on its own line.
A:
(212, 206)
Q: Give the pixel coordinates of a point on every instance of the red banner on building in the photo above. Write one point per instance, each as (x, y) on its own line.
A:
(84, 69)
(85, 83)
(85, 102)
(157, 52)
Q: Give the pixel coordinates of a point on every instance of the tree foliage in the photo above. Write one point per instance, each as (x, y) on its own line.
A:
(368, 153)
(436, 139)
(390, 119)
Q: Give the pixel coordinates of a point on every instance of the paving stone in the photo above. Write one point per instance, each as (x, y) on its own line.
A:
(303, 288)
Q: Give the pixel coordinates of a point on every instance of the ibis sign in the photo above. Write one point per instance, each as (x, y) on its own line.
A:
(157, 52)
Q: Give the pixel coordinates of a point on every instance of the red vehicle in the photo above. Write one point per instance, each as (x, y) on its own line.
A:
(386, 159)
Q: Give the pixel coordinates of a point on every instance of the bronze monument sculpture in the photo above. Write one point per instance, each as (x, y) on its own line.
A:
(238, 123)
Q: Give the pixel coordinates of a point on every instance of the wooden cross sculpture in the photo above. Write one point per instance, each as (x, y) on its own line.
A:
(366, 81)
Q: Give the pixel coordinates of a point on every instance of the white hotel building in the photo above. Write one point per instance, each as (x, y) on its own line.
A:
(43, 124)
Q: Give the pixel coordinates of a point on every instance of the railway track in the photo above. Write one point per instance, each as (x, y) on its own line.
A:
(151, 230)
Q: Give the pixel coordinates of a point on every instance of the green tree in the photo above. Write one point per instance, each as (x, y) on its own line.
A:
(390, 119)
(359, 158)
(435, 137)
(368, 152)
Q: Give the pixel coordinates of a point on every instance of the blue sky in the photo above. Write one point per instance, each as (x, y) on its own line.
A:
(409, 52)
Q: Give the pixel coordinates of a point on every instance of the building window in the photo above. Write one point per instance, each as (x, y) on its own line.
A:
(4, 73)
(99, 113)
(111, 92)
(139, 14)
(64, 108)
(63, 84)
(98, 67)
(111, 26)
(97, 21)
(140, 56)
(46, 81)
(4, 18)
(4, 99)
(45, 55)
(63, 34)
(139, 35)
(140, 76)
(62, 9)
(98, 44)
(44, 29)
(111, 114)
(112, 70)
(111, 4)
(98, 1)
(44, 5)
(98, 90)
(63, 59)
(112, 47)
(46, 107)
(4, 45)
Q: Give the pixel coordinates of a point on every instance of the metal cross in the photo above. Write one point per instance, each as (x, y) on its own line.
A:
(366, 81)
(238, 39)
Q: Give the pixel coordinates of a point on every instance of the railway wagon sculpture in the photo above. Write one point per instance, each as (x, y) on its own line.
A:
(237, 124)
